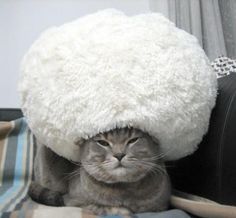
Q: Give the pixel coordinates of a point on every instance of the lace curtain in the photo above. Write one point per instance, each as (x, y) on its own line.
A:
(213, 22)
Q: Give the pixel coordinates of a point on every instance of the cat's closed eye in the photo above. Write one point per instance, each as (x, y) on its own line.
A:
(103, 143)
(133, 140)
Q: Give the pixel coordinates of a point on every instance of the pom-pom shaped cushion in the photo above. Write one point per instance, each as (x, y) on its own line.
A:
(108, 70)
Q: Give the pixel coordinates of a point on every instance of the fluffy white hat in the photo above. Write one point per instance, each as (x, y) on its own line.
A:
(109, 70)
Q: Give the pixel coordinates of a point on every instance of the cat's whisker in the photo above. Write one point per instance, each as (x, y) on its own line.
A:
(169, 166)
(152, 167)
(132, 159)
(156, 170)
(96, 170)
(106, 163)
(160, 169)
(161, 155)
(167, 152)
(69, 176)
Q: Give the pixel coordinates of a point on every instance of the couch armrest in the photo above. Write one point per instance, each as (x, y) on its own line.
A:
(211, 171)
(8, 114)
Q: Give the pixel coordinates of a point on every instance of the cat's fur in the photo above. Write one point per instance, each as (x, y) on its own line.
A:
(121, 172)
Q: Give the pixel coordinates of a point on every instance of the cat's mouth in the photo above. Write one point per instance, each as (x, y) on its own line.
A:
(119, 165)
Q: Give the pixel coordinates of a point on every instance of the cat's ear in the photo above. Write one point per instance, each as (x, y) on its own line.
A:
(79, 141)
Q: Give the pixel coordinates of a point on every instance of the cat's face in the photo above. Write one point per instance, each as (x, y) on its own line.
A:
(121, 155)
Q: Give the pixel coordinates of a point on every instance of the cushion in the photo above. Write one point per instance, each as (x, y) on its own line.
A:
(108, 70)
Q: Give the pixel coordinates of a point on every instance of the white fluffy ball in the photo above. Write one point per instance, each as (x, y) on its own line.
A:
(109, 70)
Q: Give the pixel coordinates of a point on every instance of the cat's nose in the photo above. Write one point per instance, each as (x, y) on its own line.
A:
(119, 156)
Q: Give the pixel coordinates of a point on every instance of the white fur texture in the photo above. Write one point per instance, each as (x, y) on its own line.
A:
(109, 70)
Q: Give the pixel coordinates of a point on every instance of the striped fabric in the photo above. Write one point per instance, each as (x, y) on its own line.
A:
(17, 150)
(16, 164)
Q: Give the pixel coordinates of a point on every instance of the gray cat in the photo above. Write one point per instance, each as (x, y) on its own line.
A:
(121, 172)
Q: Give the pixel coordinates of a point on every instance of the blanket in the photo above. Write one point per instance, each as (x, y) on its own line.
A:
(17, 151)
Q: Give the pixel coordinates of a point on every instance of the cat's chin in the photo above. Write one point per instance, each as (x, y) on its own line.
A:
(116, 174)
(119, 171)
(122, 174)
